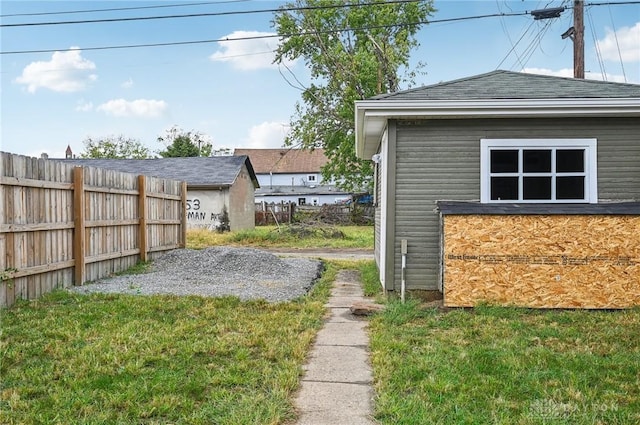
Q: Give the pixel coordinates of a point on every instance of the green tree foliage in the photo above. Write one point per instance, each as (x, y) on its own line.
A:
(182, 144)
(345, 65)
(114, 147)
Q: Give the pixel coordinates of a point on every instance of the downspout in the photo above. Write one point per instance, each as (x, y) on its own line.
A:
(403, 251)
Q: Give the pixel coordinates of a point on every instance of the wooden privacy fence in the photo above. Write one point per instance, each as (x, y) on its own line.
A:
(274, 213)
(63, 225)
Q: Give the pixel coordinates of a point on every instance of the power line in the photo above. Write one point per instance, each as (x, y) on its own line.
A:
(117, 9)
(615, 34)
(603, 71)
(199, 15)
(257, 37)
(182, 43)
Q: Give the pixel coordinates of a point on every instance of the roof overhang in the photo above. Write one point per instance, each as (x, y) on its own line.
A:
(204, 186)
(372, 115)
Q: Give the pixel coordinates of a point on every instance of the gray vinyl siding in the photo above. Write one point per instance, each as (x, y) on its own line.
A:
(440, 160)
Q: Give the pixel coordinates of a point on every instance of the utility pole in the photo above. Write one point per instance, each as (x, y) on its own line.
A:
(575, 33)
(578, 39)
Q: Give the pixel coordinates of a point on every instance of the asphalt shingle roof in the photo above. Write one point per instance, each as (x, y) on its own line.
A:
(516, 85)
(217, 171)
(285, 160)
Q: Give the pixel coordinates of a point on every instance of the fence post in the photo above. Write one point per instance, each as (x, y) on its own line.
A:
(142, 216)
(79, 231)
(183, 225)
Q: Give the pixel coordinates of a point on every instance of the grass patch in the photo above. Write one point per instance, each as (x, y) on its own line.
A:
(286, 237)
(107, 359)
(494, 365)
(370, 278)
(139, 268)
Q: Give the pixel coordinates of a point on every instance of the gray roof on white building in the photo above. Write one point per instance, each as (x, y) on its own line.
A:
(516, 85)
(216, 171)
(300, 190)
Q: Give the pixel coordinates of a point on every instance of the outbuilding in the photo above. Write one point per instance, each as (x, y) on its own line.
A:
(214, 185)
(508, 188)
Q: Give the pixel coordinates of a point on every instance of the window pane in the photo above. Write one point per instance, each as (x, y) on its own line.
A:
(570, 160)
(504, 188)
(536, 188)
(504, 161)
(536, 161)
(570, 187)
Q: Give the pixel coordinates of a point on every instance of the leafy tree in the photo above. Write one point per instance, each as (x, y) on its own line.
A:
(114, 147)
(182, 144)
(353, 53)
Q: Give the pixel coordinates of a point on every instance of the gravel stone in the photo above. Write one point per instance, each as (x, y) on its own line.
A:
(217, 271)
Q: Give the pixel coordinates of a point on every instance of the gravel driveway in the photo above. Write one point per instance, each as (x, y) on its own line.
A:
(217, 271)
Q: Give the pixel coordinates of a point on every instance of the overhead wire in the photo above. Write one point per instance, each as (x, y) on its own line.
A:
(119, 9)
(257, 37)
(506, 32)
(348, 29)
(208, 14)
(535, 43)
(603, 71)
(515, 45)
(615, 34)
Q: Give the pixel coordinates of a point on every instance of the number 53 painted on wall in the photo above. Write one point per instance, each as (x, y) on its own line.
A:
(193, 204)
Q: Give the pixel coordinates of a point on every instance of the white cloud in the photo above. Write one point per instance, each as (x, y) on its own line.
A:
(127, 84)
(65, 72)
(627, 39)
(83, 106)
(50, 153)
(568, 73)
(267, 135)
(144, 108)
(247, 55)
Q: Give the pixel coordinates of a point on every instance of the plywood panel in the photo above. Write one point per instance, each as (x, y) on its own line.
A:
(590, 261)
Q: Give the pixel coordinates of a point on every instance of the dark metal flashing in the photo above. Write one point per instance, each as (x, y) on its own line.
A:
(476, 208)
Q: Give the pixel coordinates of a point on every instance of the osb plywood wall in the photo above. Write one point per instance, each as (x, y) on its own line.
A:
(553, 261)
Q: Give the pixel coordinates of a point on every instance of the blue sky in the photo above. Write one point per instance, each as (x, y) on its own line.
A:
(230, 91)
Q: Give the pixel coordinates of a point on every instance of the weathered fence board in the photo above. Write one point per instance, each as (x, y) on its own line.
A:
(62, 225)
(274, 213)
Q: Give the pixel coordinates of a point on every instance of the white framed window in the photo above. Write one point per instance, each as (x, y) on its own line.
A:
(538, 170)
(311, 178)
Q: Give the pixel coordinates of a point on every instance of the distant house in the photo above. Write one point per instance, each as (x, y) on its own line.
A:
(292, 175)
(508, 188)
(213, 184)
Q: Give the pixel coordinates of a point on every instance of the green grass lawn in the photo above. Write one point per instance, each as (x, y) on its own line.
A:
(495, 365)
(116, 359)
(285, 236)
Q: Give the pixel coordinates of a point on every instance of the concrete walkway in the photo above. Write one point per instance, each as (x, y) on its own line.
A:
(336, 386)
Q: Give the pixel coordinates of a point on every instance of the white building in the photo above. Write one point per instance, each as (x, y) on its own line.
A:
(292, 175)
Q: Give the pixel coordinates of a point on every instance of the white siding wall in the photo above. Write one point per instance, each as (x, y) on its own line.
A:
(293, 179)
(322, 199)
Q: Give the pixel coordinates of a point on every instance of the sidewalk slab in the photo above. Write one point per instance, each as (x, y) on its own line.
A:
(343, 315)
(344, 302)
(337, 384)
(352, 333)
(345, 292)
(328, 403)
(329, 363)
